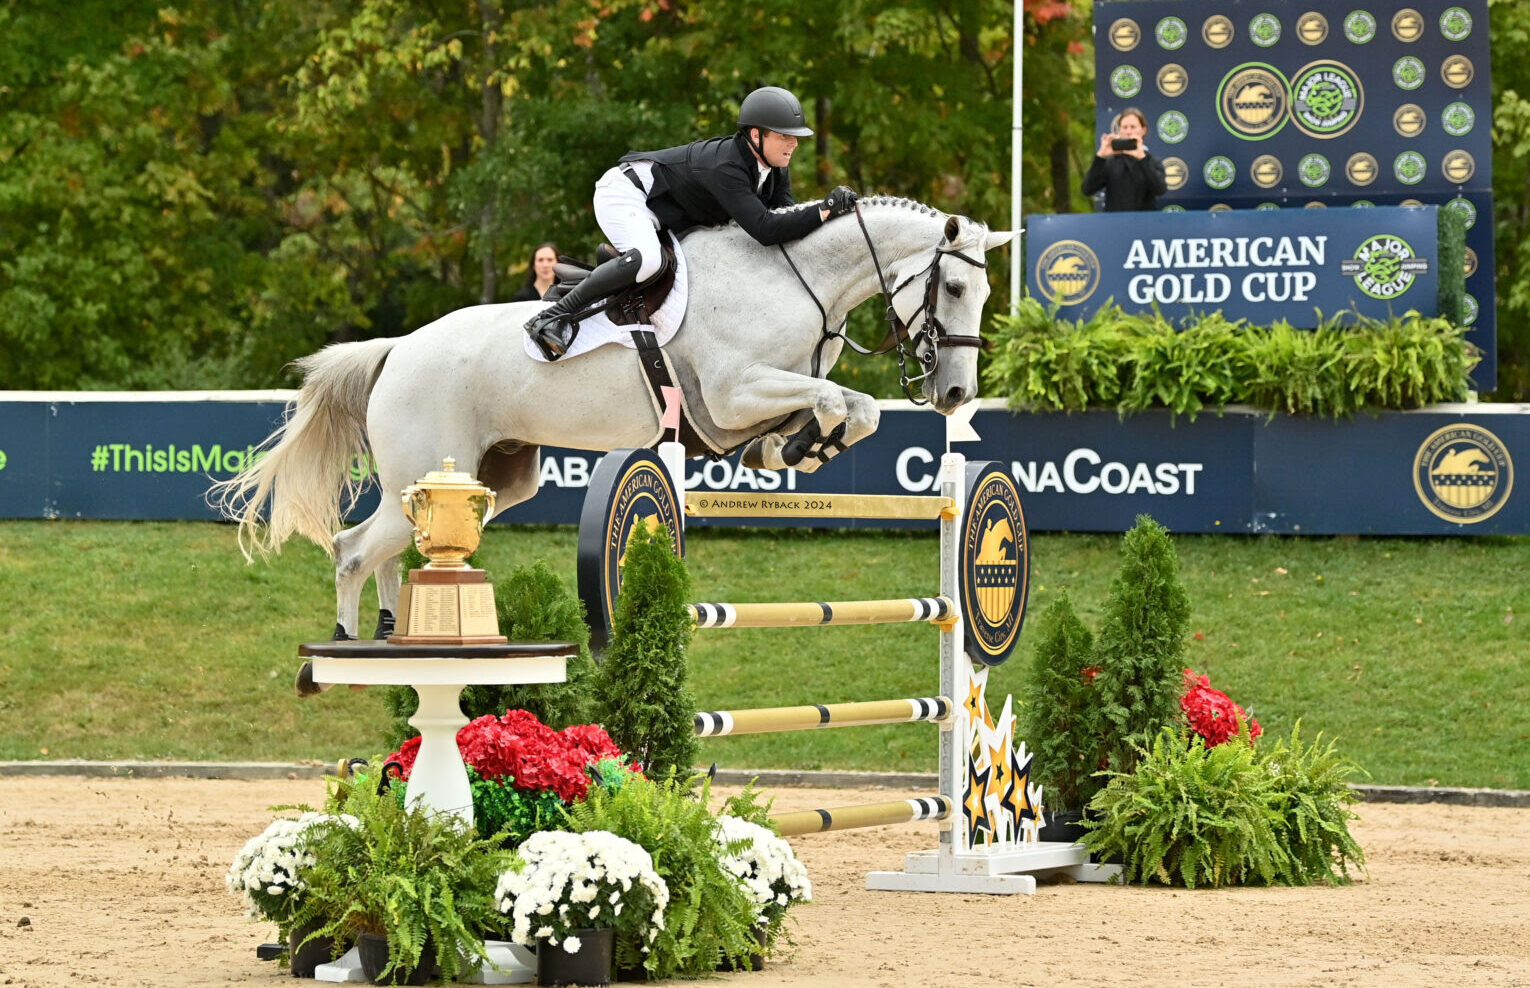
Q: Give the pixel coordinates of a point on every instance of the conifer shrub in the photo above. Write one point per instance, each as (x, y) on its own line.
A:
(1061, 718)
(641, 692)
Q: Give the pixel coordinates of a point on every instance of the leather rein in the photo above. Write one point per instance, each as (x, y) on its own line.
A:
(931, 330)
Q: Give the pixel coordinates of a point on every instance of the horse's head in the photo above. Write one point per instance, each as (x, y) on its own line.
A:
(940, 296)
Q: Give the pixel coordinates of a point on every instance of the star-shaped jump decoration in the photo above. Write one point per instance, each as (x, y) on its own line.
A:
(974, 807)
(1021, 799)
(975, 707)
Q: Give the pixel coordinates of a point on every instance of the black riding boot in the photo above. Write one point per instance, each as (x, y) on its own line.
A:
(553, 330)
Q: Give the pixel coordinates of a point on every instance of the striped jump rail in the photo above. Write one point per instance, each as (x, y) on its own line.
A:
(823, 613)
(903, 507)
(863, 815)
(766, 720)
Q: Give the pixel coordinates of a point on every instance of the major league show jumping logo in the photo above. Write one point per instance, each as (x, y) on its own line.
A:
(1463, 473)
(1359, 27)
(1384, 266)
(1326, 99)
(1171, 33)
(995, 564)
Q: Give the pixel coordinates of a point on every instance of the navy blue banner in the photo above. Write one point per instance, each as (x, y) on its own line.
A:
(1261, 266)
(1443, 470)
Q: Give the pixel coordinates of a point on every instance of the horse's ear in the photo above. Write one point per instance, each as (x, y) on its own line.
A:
(953, 227)
(997, 238)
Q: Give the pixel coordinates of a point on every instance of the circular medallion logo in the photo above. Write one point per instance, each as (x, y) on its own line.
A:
(1125, 81)
(1361, 169)
(1067, 272)
(1359, 26)
(1171, 33)
(1267, 206)
(1409, 168)
(1173, 127)
(1217, 31)
(1457, 72)
(1265, 171)
(1384, 266)
(1219, 207)
(1463, 473)
(1458, 119)
(1411, 204)
(1471, 309)
(1253, 101)
(1316, 204)
(1313, 170)
(1469, 263)
(1219, 172)
(1173, 80)
(1124, 34)
(1455, 24)
(1174, 208)
(1408, 73)
(1362, 204)
(1459, 167)
(1312, 28)
(1465, 208)
(994, 565)
(1407, 25)
(1326, 99)
(1264, 30)
(1409, 120)
(1175, 173)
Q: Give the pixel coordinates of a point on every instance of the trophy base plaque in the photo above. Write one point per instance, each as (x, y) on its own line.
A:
(446, 607)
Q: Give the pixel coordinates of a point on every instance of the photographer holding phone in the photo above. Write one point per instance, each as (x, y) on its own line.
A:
(1132, 178)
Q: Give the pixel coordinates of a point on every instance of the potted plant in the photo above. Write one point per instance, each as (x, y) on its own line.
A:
(765, 865)
(1062, 720)
(414, 888)
(268, 872)
(570, 897)
(1212, 714)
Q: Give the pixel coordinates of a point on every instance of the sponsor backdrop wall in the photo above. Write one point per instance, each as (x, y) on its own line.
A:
(1280, 104)
(1443, 470)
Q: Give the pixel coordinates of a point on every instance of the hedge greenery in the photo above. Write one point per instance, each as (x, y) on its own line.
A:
(1133, 363)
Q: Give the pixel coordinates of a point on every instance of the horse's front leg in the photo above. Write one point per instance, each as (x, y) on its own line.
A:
(828, 417)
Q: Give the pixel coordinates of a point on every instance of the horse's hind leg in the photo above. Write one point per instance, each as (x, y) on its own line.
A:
(360, 551)
(388, 583)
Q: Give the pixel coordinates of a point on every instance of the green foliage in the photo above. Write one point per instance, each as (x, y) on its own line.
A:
(641, 686)
(1229, 815)
(746, 805)
(1192, 815)
(1133, 362)
(1452, 262)
(533, 605)
(1141, 645)
(411, 875)
(1061, 720)
(709, 918)
(501, 809)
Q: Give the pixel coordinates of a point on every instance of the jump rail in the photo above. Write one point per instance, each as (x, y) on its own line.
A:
(823, 613)
(863, 815)
(767, 720)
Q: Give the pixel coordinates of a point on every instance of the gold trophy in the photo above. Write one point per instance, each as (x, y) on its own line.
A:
(447, 602)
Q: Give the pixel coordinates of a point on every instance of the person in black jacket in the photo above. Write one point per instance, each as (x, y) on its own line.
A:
(539, 273)
(742, 177)
(1132, 178)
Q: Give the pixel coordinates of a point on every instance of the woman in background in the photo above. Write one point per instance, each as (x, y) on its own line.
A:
(539, 274)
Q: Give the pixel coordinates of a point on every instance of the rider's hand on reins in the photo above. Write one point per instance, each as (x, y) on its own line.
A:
(839, 202)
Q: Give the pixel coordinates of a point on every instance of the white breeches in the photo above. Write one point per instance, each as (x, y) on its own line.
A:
(622, 211)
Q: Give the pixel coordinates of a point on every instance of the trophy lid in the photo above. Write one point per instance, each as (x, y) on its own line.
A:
(448, 476)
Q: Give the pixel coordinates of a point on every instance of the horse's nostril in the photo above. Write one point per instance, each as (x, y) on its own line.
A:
(955, 396)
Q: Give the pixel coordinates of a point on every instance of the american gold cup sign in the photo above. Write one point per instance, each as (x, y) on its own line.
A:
(1457, 72)
(1125, 34)
(1361, 168)
(1459, 167)
(1217, 31)
(1266, 171)
(447, 602)
(1409, 120)
(1173, 80)
(1175, 171)
(1312, 28)
(1407, 25)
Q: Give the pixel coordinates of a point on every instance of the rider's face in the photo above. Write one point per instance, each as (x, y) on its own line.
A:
(778, 148)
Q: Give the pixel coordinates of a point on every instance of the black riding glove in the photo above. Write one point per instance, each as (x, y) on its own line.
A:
(840, 201)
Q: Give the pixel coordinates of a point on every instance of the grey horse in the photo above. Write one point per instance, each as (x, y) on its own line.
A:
(463, 386)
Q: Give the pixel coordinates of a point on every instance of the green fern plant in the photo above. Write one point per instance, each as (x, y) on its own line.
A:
(709, 919)
(1311, 785)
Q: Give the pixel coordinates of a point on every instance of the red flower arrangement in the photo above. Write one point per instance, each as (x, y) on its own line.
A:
(1212, 714)
(522, 751)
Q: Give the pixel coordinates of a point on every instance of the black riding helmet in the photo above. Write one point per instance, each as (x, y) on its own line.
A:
(773, 108)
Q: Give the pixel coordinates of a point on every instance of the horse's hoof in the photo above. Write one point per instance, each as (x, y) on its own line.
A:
(754, 455)
(794, 450)
(384, 625)
(304, 683)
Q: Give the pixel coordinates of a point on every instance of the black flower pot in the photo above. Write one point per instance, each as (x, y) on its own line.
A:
(1064, 827)
(304, 957)
(756, 960)
(373, 949)
(589, 965)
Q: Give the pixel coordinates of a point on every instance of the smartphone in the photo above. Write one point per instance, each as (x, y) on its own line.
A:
(1123, 144)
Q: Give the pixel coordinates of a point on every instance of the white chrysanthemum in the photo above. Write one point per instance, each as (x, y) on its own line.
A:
(764, 864)
(568, 876)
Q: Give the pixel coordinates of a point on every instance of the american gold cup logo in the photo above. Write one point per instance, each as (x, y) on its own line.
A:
(1407, 25)
(1469, 263)
(1459, 167)
(1316, 204)
(630, 491)
(1173, 80)
(1361, 169)
(1409, 119)
(1463, 473)
(1253, 101)
(1124, 34)
(1457, 72)
(1219, 207)
(994, 565)
(1217, 31)
(1175, 172)
(1067, 272)
(1312, 28)
(1265, 171)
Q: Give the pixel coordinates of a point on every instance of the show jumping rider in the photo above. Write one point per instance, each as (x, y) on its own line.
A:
(704, 183)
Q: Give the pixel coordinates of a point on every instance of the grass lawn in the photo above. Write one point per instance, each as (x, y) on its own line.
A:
(155, 640)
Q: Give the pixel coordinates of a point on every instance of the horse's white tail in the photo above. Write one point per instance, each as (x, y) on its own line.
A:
(304, 467)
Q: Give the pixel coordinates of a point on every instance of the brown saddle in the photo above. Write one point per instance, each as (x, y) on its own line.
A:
(631, 306)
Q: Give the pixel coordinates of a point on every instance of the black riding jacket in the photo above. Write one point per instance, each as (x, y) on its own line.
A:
(1129, 184)
(707, 183)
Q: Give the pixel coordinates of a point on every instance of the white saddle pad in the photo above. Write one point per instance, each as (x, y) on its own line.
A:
(598, 330)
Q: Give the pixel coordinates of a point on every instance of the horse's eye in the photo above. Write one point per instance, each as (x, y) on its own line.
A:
(955, 289)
